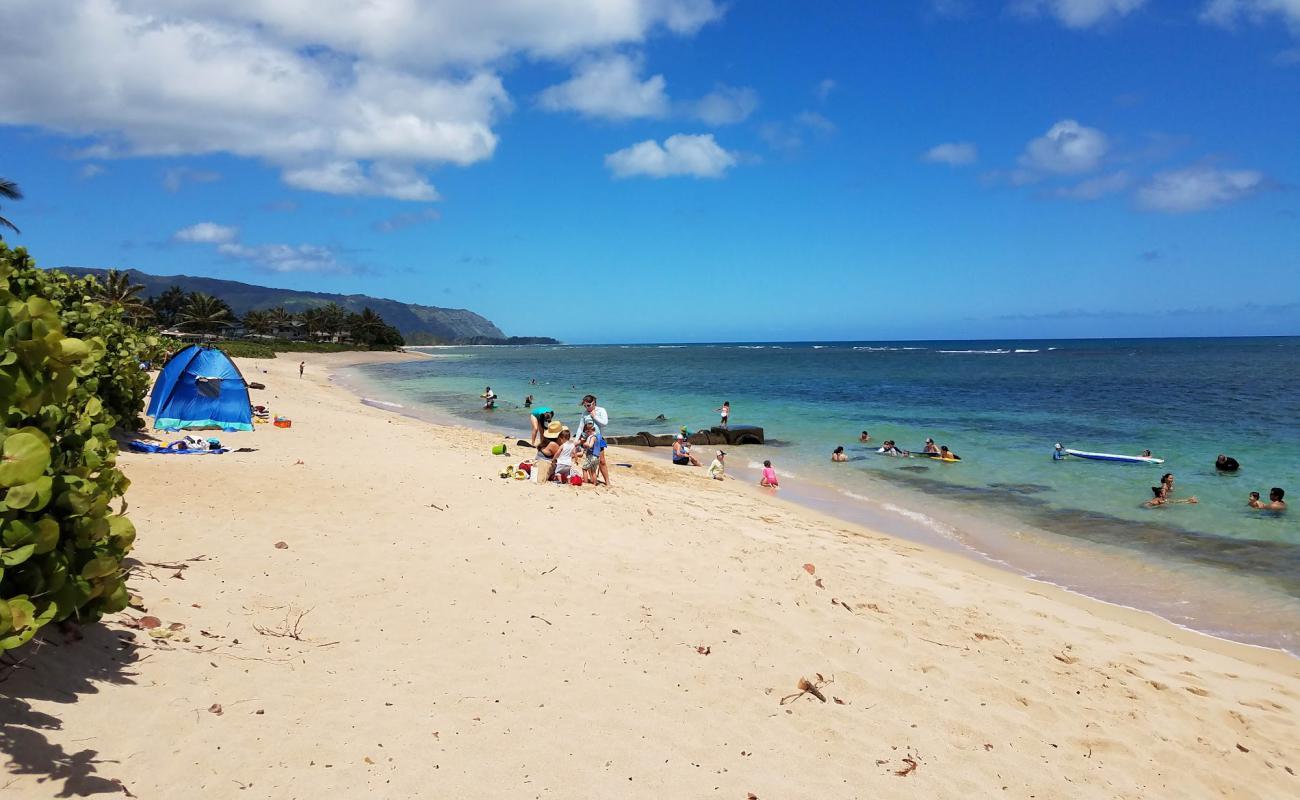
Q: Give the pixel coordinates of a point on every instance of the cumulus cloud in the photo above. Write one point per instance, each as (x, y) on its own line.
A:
(681, 154)
(1067, 148)
(609, 88)
(1227, 12)
(1197, 188)
(1077, 14)
(954, 154)
(207, 233)
(1095, 188)
(90, 171)
(276, 257)
(285, 257)
(175, 178)
(726, 105)
(350, 96)
(789, 135)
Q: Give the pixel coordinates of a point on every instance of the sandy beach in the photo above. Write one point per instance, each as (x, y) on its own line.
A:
(360, 606)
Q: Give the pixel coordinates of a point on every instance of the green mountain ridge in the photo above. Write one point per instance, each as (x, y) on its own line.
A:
(417, 323)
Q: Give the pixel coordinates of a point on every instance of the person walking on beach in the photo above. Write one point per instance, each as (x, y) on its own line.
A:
(302, 365)
(725, 411)
(768, 478)
(598, 417)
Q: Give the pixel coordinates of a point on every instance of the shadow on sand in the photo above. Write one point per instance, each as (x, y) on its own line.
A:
(52, 670)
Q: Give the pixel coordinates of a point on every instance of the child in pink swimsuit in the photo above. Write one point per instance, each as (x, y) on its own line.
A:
(769, 476)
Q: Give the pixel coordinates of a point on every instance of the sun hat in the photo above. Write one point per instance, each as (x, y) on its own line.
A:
(554, 429)
(722, 452)
(680, 437)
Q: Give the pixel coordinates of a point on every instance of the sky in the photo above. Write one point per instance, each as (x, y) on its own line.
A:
(680, 170)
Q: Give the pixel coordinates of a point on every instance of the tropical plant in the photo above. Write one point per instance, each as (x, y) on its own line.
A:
(257, 322)
(116, 289)
(61, 544)
(204, 313)
(167, 306)
(9, 191)
(333, 318)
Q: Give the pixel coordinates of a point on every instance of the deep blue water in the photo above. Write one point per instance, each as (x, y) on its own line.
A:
(999, 404)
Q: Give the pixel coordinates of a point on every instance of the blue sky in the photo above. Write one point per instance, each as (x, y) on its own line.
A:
(681, 170)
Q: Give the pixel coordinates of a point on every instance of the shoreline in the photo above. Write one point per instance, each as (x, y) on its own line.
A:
(429, 629)
(1032, 554)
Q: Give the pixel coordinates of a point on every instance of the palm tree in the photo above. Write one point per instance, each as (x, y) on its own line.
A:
(9, 191)
(204, 313)
(257, 322)
(367, 326)
(333, 319)
(117, 289)
(167, 306)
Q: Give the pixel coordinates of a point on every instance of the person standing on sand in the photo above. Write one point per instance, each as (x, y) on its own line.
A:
(598, 417)
(302, 365)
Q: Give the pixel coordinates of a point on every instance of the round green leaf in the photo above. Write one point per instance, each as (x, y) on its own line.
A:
(24, 456)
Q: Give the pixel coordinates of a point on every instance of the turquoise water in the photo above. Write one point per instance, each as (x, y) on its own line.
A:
(1001, 405)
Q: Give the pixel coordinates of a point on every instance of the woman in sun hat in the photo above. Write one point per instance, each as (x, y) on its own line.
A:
(547, 450)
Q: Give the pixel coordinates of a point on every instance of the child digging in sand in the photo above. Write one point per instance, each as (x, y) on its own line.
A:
(769, 476)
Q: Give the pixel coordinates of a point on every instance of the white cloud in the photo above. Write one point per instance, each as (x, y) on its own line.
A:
(681, 154)
(789, 136)
(1078, 14)
(392, 87)
(609, 88)
(1227, 12)
(90, 171)
(726, 105)
(407, 219)
(824, 88)
(1067, 148)
(954, 154)
(207, 233)
(1095, 188)
(285, 257)
(1197, 188)
(175, 178)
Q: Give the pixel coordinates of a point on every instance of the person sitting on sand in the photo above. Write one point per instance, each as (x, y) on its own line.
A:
(839, 454)
(540, 418)
(768, 478)
(547, 449)
(1226, 463)
(930, 446)
(865, 437)
(718, 469)
(564, 458)
(1275, 501)
(947, 454)
(1164, 493)
(682, 453)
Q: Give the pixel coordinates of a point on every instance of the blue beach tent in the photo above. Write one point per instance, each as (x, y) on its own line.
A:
(200, 387)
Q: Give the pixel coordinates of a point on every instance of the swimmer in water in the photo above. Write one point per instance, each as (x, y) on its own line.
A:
(1164, 493)
(1226, 463)
(945, 453)
(839, 454)
(1275, 501)
(865, 437)
(929, 446)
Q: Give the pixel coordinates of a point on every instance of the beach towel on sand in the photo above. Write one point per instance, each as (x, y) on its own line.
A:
(175, 447)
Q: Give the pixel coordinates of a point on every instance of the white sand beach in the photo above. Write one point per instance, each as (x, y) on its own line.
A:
(429, 629)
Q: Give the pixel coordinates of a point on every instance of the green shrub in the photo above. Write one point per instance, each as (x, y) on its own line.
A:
(246, 349)
(61, 545)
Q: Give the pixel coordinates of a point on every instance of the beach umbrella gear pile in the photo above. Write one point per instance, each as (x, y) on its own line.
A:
(200, 387)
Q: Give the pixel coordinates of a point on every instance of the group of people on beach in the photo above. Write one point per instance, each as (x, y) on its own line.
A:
(564, 457)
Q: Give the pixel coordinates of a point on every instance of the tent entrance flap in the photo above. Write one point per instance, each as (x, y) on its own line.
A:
(200, 387)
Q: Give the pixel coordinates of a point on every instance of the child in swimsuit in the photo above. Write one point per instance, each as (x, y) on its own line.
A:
(769, 476)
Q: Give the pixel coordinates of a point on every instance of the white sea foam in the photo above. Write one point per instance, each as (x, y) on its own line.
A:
(1026, 351)
(820, 346)
(887, 349)
(781, 473)
(671, 346)
(946, 531)
(977, 352)
(384, 403)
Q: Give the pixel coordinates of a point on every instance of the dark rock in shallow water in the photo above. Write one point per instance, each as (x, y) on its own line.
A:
(915, 468)
(731, 437)
(1020, 488)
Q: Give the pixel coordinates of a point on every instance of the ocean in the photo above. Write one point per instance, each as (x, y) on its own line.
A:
(1218, 566)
